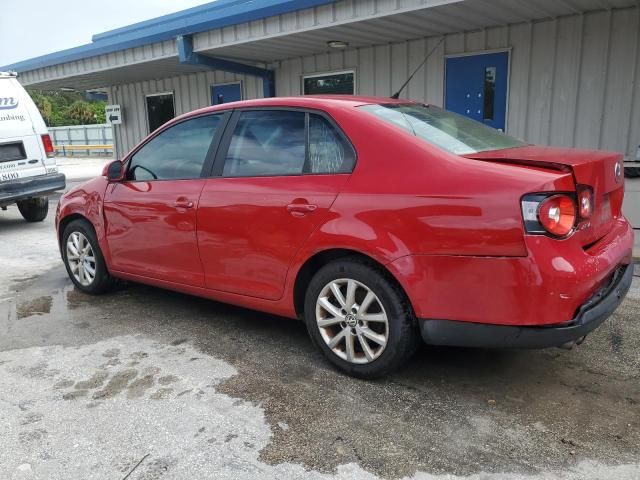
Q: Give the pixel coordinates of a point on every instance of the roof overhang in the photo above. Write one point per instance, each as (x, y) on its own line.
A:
(304, 29)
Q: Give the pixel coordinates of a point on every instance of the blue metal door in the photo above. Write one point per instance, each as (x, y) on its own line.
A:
(225, 93)
(476, 87)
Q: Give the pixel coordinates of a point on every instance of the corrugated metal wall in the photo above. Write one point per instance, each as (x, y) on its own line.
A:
(190, 92)
(574, 80)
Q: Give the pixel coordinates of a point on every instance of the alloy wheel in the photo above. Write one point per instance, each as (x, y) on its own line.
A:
(81, 259)
(352, 321)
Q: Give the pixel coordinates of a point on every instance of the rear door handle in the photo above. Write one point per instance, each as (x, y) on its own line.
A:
(301, 208)
(183, 203)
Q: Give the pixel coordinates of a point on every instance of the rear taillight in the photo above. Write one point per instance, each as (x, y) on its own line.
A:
(550, 214)
(558, 214)
(48, 146)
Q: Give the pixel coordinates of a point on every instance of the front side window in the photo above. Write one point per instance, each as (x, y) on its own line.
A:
(267, 142)
(176, 153)
(447, 130)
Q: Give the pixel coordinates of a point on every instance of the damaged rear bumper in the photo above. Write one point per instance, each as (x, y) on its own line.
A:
(590, 315)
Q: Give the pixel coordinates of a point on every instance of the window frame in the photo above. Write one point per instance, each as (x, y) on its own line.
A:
(224, 144)
(209, 157)
(327, 74)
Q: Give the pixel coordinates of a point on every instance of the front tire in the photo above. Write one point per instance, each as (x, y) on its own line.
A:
(360, 318)
(34, 209)
(83, 258)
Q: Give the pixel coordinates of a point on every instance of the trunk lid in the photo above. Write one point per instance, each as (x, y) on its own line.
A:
(600, 170)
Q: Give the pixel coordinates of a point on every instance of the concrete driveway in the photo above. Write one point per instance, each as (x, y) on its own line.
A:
(176, 387)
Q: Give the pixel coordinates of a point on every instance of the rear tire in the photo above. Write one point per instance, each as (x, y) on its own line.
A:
(34, 209)
(360, 318)
(83, 258)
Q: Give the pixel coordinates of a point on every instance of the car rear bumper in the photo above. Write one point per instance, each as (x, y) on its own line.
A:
(590, 315)
(547, 287)
(22, 188)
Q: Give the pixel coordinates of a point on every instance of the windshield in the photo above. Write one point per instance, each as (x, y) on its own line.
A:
(447, 130)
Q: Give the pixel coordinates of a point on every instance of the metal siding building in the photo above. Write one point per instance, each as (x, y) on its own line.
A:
(573, 75)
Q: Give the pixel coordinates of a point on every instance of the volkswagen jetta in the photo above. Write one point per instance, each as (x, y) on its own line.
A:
(379, 222)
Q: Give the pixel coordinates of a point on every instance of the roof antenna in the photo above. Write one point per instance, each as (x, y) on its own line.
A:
(397, 94)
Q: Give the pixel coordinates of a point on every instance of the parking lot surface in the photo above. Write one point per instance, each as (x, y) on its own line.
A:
(172, 386)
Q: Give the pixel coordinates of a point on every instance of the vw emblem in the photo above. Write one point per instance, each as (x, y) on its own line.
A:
(351, 320)
(618, 171)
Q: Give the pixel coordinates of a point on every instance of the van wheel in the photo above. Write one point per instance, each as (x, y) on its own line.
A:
(360, 319)
(84, 260)
(34, 209)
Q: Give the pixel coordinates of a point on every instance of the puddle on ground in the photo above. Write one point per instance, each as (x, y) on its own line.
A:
(37, 306)
(58, 301)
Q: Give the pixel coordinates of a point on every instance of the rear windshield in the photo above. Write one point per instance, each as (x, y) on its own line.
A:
(447, 130)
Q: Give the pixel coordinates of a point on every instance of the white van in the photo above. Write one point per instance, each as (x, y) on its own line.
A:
(28, 171)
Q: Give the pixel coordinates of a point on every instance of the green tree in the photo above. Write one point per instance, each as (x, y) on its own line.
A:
(60, 108)
(98, 112)
(81, 113)
(45, 107)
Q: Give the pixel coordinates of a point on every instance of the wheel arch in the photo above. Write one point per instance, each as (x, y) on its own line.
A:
(67, 220)
(322, 258)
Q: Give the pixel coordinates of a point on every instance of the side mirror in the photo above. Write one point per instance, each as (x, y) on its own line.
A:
(114, 171)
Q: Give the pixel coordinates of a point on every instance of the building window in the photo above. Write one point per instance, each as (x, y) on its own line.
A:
(160, 109)
(341, 83)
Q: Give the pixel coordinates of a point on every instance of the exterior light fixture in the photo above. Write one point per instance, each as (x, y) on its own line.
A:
(337, 44)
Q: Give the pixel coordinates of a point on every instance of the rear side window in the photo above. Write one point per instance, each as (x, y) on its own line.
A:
(267, 143)
(328, 151)
(280, 142)
(177, 153)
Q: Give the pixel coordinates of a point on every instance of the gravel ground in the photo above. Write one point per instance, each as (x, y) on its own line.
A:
(90, 386)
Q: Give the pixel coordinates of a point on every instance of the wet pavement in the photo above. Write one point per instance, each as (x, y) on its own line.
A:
(90, 386)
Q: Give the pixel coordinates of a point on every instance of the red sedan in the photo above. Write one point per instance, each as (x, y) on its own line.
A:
(377, 221)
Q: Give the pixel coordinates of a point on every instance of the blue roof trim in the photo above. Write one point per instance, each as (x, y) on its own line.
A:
(222, 13)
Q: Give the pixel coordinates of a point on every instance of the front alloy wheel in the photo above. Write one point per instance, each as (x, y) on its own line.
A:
(352, 321)
(81, 259)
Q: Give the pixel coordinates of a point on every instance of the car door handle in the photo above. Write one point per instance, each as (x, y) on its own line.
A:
(301, 208)
(183, 203)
